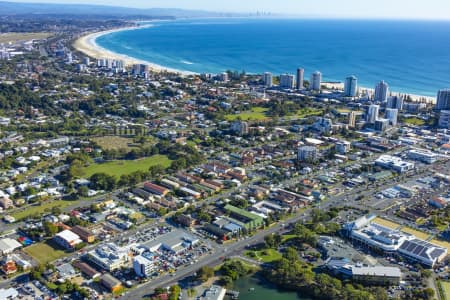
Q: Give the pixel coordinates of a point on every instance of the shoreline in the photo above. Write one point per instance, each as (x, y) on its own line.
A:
(87, 45)
(370, 91)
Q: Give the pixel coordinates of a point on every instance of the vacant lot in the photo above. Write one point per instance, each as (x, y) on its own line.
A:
(442, 244)
(445, 289)
(45, 252)
(22, 37)
(121, 167)
(113, 142)
(386, 223)
(40, 209)
(255, 114)
(419, 234)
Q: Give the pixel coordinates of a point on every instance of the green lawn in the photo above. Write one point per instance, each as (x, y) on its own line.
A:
(414, 121)
(266, 255)
(255, 114)
(121, 167)
(45, 252)
(445, 289)
(40, 209)
(308, 112)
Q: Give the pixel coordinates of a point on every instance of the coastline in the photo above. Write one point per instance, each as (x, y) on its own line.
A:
(88, 46)
(371, 91)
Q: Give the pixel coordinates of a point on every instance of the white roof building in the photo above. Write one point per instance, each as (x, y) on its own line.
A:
(8, 245)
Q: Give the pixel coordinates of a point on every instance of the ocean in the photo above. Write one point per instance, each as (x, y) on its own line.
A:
(412, 56)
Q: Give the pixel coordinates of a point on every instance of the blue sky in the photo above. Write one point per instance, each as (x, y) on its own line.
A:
(393, 9)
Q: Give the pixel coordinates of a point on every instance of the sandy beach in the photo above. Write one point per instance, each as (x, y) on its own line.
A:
(371, 91)
(87, 45)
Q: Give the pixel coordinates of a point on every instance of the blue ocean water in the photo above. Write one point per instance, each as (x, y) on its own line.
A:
(412, 56)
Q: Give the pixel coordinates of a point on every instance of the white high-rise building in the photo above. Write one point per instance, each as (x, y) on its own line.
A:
(381, 91)
(307, 153)
(351, 86)
(143, 265)
(300, 78)
(372, 113)
(443, 100)
(395, 102)
(316, 81)
(287, 81)
(392, 116)
(444, 119)
(268, 79)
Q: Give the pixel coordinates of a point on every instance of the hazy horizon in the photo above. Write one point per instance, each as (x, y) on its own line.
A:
(381, 9)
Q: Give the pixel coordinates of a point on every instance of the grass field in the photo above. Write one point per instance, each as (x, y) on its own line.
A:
(113, 142)
(445, 285)
(308, 112)
(442, 244)
(255, 114)
(39, 209)
(386, 223)
(414, 121)
(44, 252)
(22, 37)
(267, 255)
(121, 167)
(419, 234)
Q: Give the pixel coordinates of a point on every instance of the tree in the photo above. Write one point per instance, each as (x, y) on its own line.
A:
(50, 229)
(83, 191)
(205, 273)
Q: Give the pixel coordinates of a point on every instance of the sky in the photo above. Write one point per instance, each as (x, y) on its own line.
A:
(392, 9)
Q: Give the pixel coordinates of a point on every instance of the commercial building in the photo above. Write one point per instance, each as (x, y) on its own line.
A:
(86, 269)
(394, 163)
(85, 234)
(111, 283)
(287, 81)
(109, 256)
(300, 79)
(443, 100)
(377, 275)
(425, 156)
(422, 252)
(155, 189)
(351, 86)
(375, 236)
(8, 245)
(268, 80)
(343, 147)
(307, 153)
(67, 239)
(381, 125)
(175, 241)
(392, 116)
(395, 102)
(372, 113)
(143, 265)
(381, 91)
(247, 219)
(444, 119)
(316, 81)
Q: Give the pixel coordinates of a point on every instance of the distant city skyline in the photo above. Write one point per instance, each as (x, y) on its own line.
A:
(398, 9)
